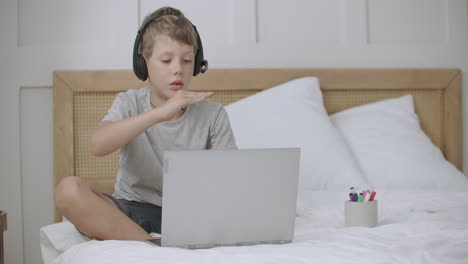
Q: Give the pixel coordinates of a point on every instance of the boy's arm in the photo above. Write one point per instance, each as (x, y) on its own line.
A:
(112, 135)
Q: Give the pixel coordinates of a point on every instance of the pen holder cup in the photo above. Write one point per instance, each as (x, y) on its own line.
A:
(361, 213)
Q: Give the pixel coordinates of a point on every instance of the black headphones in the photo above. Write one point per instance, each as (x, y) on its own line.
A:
(139, 63)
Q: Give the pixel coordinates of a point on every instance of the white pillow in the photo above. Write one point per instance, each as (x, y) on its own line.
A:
(393, 150)
(292, 115)
(57, 238)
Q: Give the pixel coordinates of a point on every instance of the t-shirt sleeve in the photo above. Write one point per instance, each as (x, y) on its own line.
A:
(221, 135)
(119, 109)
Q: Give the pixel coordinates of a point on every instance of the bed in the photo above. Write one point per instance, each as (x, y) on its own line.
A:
(397, 131)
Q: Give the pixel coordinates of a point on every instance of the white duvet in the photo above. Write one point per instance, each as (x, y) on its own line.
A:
(414, 227)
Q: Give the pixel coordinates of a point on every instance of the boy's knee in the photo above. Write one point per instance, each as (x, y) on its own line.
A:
(67, 192)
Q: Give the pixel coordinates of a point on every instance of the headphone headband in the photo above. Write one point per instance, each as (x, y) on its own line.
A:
(139, 62)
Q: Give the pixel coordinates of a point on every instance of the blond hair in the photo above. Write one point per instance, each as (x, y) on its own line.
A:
(168, 21)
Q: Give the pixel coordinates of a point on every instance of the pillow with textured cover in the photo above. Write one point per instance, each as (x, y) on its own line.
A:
(392, 149)
(292, 114)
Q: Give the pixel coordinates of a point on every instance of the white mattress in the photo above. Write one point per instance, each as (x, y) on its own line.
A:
(414, 227)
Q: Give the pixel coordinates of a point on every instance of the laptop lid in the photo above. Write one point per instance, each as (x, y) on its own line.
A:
(229, 197)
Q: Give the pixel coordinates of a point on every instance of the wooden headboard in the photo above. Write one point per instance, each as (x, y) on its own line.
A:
(81, 99)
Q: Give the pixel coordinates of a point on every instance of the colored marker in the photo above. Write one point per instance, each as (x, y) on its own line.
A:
(363, 196)
(371, 198)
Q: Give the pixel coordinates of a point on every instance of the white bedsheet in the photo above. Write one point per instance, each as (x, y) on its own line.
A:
(414, 227)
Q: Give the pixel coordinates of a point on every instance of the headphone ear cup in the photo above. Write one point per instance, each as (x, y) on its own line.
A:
(201, 65)
(139, 62)
(139, 67)
(204, 66)
(197, 66)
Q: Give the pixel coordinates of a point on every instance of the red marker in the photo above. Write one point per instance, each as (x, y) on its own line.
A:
(371, 198)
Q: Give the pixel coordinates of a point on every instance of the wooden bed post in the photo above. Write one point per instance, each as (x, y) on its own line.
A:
(453, 122)
(63, 133)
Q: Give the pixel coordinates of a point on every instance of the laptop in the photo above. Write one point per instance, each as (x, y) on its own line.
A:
(229, 197)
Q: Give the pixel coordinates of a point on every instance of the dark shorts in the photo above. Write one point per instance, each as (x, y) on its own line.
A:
(148, 216)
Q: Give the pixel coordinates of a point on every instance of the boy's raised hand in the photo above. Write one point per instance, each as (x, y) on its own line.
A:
(180, 100)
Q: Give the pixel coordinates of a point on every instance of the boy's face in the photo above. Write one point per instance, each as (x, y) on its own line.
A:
(170, 67)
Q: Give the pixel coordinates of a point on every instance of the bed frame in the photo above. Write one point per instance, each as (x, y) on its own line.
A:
(81, 99)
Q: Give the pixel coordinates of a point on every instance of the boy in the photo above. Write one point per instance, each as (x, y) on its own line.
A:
(143, 124)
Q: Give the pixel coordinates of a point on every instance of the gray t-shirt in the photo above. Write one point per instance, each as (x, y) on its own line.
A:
(204, 125)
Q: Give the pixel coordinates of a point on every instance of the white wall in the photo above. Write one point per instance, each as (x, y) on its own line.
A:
(38, 37)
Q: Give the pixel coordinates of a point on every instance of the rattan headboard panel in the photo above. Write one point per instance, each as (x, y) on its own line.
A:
(82, 98)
